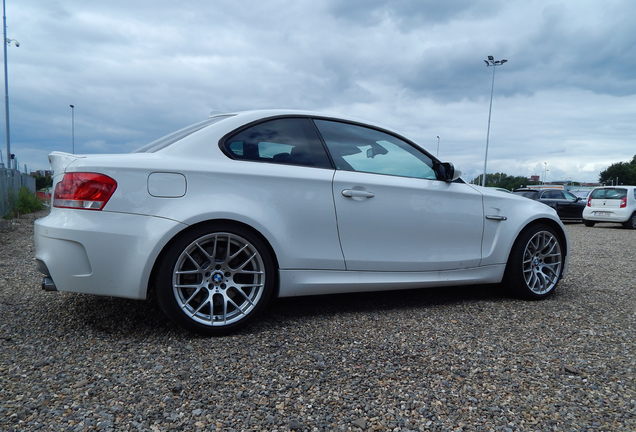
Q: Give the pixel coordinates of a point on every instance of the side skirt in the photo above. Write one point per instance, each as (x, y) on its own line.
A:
(315, 282)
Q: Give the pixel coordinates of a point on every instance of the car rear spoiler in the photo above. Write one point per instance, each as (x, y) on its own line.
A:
(60, 160)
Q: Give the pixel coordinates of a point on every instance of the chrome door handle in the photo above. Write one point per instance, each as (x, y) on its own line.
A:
(496, 217)
(355, 193)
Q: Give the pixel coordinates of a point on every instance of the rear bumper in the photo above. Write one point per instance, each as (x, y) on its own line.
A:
(610, 214)
(101, 253)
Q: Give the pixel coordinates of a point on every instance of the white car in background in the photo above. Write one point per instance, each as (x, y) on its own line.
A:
(220, 217)
(611, 204)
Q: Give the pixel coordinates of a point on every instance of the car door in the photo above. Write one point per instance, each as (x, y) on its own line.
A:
(557, 200)
(573, 206)
(393, 214)
(552, 198)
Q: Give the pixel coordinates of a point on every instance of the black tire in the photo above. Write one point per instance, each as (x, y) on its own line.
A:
(526, 270)
(631, 222)
(588, 223)
(208, 288)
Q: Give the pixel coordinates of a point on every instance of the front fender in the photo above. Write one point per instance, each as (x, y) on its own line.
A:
(500, 235)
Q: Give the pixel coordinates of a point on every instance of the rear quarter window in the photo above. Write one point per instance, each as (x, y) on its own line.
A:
(291, 141)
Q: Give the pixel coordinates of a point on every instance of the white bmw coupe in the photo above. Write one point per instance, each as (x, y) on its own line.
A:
(220, 217)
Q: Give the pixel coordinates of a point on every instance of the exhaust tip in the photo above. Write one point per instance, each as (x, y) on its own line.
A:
(48, 284)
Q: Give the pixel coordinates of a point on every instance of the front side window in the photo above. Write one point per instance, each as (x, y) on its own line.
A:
(291, 141)
(552, 194)
(580, 193)
(358, 148)
(527, 194)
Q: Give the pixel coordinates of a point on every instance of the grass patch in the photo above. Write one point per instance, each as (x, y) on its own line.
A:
(24, 202)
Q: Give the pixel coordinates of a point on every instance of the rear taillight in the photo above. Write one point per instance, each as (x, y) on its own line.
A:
(623, 202)
(82, 190)
(589, 202)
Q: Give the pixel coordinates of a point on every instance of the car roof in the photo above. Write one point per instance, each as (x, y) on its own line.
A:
(232, 121)
(535, 190)
(251, 115)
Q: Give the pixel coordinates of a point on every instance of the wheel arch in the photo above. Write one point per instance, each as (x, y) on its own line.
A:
(150, 288)
(514, 280)
(545, 221)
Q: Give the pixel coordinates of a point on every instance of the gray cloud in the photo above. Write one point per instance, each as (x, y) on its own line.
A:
(137, 70)
(411, 13)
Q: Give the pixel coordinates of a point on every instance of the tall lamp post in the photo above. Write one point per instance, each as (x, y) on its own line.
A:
(7, 41)
(437, 154)
(494, 63)
(73, 127)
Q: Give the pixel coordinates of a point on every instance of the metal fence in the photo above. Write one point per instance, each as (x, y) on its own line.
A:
(10, 182)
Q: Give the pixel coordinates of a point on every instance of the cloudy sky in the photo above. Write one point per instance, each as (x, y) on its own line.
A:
(136, 70)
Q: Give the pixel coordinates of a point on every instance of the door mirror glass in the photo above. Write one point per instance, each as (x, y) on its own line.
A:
(447, 172)
(376, 149)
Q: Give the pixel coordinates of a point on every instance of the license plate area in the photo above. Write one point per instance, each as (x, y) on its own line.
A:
(602, 213)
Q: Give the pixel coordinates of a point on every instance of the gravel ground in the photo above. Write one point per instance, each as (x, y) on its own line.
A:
(461, 359)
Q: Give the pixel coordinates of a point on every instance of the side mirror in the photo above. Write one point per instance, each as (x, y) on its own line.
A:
(578, 199)
(376, 149)
(447, 172)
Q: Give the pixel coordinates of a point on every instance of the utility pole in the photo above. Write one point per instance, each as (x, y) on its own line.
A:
(6, 85)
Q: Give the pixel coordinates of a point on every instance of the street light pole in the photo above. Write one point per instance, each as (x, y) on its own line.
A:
(437, 154)
(494, 63)
(73, 127)
(6, 85)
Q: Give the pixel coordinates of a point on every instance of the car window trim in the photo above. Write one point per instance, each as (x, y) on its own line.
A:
(310, 117)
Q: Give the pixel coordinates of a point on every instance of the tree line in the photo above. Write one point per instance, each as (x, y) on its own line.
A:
(620, 173)
(503, 180)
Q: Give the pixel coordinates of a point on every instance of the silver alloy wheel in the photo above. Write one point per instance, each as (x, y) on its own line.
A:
(542, 261)
(218, 279)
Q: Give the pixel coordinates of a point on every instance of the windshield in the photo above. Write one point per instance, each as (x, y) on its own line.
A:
(173, 137)
(580, 193)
